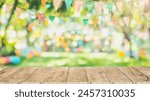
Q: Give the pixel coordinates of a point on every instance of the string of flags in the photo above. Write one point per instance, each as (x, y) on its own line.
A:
(94, 19)
(101, 9)
(79, 4)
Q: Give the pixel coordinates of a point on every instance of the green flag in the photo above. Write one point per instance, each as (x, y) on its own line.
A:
(68, 3)
(85, 22)
(89, 6)
(109, 6)
(52, 18)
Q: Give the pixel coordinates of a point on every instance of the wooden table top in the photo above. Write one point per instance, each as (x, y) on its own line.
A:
(76, 75)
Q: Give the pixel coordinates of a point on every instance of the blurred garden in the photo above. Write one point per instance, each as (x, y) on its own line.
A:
(74, 33)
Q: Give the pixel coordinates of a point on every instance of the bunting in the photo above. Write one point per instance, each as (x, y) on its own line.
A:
(44, 2)
(46, 21)
(30, 27)
(95, 22)
(52, 18)
(119, 6)
(126, 20)
(78, 5)
(109, 6)
(57, 4)
(85, 22)
(68, 3)
(99, 7)
(40, 17)
(115, 20)
(89, 6)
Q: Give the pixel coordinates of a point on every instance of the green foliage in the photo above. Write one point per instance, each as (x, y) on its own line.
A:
(34, 4)
(83, 59)
(8, 49)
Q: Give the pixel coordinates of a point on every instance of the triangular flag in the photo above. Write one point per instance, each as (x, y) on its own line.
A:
(68, 3)
(40, 17)
(115, 20)
(52, 18)
(44, 2)
(100, 7)
(85, 21)
(109, 6)
(95, 21)
(57, 4)
(78, 5)
(30, 27)
(121, 23)
(46, 21)
(119, 6)
(89, 6)
(126, 20)
(48, 5)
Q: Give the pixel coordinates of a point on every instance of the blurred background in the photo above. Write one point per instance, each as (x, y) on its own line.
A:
(74, 33)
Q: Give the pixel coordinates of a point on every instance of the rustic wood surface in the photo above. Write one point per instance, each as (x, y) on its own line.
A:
(83, 75)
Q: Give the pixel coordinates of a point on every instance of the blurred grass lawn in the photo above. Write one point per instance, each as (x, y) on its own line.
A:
(82, 59)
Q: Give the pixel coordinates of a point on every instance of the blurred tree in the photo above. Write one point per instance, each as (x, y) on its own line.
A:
(62, 11)
(7, 25)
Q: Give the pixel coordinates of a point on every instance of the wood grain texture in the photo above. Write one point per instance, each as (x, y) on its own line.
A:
(102, 75)
(6, 72)
(59, 76)
(134, 75)
(39, 75)
(19, 76)
(115, 76)
(97, 75)
(77, 75)
(1, 68)
(145, 71)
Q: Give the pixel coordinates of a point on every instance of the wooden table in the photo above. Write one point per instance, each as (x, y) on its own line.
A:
(96, 75)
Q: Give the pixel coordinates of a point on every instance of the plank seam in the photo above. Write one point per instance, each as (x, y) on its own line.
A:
(10, 74)
(107, 76)
(28, 76)
(67, 75)
(142, 73)
(86, 75)
(126, 75)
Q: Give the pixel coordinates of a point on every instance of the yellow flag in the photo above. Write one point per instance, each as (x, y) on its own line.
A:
(44, 2)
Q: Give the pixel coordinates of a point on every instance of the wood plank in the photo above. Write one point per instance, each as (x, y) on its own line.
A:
(144, 70)
(96, 75)
(1, 68)
(115, 76)
(134, 75)
(77, 75)
(39, 75)
(6, 72)
(59, 76)
(19, 76)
